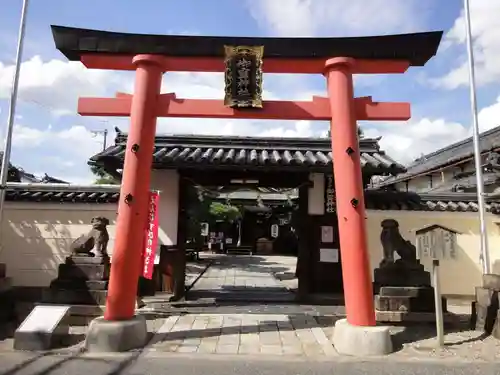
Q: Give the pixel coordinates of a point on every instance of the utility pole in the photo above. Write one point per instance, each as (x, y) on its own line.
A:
(105, 136)
(485, 254)
(4, 172)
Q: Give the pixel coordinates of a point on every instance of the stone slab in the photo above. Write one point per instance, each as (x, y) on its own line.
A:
(105, 336)
(487, 297)
(407, 304)
(401, 277)
(361, 341)
(44, 328)
(491, 281)
(86, 260)
(79, 284)
(408, 291)
(483, 318)
(84, 271)
(5, 284)
(77, 297)
(414, 317)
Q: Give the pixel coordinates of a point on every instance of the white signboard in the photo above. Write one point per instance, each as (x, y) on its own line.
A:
(329, 255)
(326, 234)
(44, 318)
(274, 230)
(436, 242)
(204, 229)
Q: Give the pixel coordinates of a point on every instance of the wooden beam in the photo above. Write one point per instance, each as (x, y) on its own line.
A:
(316, 110)
(216, 64)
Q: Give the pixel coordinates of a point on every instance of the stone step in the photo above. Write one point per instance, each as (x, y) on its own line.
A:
(86, 260)
(406, 304)
(418, 317)
(79, 284)
(239, 250)
(75, 297)
(416, 292)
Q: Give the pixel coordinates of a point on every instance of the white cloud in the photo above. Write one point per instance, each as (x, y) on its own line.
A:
(485, 24)
(407, 141)
(55, 84)
(304, 18)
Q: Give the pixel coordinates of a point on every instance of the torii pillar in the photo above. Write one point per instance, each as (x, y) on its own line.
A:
(358, 290)
(120, 322)
(356, 335)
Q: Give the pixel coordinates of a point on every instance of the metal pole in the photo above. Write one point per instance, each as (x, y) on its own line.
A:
(4, 172)
(485, 256)
(438, 303)
(105, 139)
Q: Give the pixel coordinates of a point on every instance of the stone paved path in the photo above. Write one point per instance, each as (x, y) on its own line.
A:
(244, 334)
(244, 278)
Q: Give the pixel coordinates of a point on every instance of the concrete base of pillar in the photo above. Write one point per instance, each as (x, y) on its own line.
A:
(361, 341)
(105, 336)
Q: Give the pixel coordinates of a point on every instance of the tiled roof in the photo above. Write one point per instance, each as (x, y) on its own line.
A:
(466, 183)
(313, 154)
(18, 174)
(63, 194)
(454, 153)
(375, 199)
(437, 202)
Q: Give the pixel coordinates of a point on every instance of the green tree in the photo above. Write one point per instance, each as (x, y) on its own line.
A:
(225, 212)
(102, 177)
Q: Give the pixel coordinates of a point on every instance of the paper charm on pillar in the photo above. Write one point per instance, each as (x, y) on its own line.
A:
(243, 76)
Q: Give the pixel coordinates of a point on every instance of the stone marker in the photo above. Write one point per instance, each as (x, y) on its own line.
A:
(44, 328)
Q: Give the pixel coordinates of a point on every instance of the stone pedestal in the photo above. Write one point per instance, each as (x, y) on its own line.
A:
(81, 280)
(7, 305)
(403, 290)
(485, 308)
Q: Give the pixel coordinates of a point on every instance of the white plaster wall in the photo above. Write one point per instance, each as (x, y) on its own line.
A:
(459, 276)
(167, 182)
(35, 237)
(316, 205)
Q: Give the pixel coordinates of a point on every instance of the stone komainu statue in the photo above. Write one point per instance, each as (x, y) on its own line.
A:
(393, 242)
(95, 242)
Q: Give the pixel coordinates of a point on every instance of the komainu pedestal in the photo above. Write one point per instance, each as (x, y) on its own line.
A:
(7, 301)
(402, 287)
(83, 278)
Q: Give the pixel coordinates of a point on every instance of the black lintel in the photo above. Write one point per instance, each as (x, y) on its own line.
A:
(417, 48)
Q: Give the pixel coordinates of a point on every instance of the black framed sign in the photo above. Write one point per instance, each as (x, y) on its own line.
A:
(243, 76)
(330, 201)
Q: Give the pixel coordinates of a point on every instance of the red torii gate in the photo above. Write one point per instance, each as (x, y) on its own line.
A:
(370, 55)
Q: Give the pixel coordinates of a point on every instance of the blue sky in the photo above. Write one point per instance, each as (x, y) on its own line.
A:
(51, 138)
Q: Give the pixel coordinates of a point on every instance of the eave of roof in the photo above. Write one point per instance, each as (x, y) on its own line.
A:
(449, 155)
(416, 48)
(375, 199)
(195, 151)
(467, 182)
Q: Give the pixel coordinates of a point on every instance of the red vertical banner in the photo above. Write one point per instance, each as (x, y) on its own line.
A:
(151, 236)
